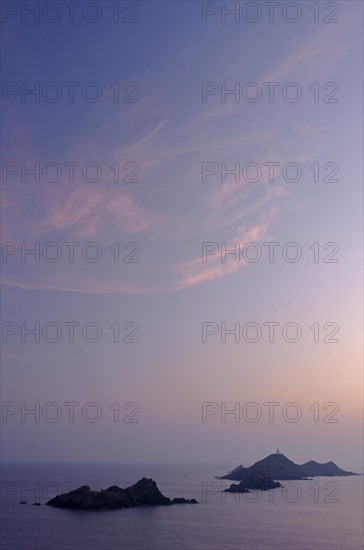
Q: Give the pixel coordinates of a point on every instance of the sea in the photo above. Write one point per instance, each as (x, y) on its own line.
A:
(319, 514)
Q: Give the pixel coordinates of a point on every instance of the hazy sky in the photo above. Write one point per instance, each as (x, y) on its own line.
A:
(148, 101)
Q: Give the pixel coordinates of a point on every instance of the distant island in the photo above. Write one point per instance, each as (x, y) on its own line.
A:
(255, 481)
(144, 492)
(278, 466)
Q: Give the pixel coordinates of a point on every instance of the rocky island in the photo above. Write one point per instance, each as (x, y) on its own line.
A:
(255, 481)
(143, 493)
(278, 466)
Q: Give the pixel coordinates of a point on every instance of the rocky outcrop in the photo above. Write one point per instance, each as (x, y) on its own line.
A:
(275, 466)
(254, 481)
(143, 493)
(313, 469)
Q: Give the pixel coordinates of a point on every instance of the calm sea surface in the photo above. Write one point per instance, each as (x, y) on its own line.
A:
(326, 513)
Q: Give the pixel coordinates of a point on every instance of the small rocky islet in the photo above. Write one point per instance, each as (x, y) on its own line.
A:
(255, 481)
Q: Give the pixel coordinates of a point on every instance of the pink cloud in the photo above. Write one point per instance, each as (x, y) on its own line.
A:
(80, 212)
(193, 274)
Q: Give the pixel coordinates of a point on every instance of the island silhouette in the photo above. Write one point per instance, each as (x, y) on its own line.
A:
(143, 493)
(278, 466)
(254, 481)
(259, 476)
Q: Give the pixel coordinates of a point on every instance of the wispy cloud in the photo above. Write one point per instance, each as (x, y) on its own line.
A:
(317, 56)
(170, 159)
(193, 273)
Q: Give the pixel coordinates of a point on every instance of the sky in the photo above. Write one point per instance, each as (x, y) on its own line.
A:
(118, 171)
